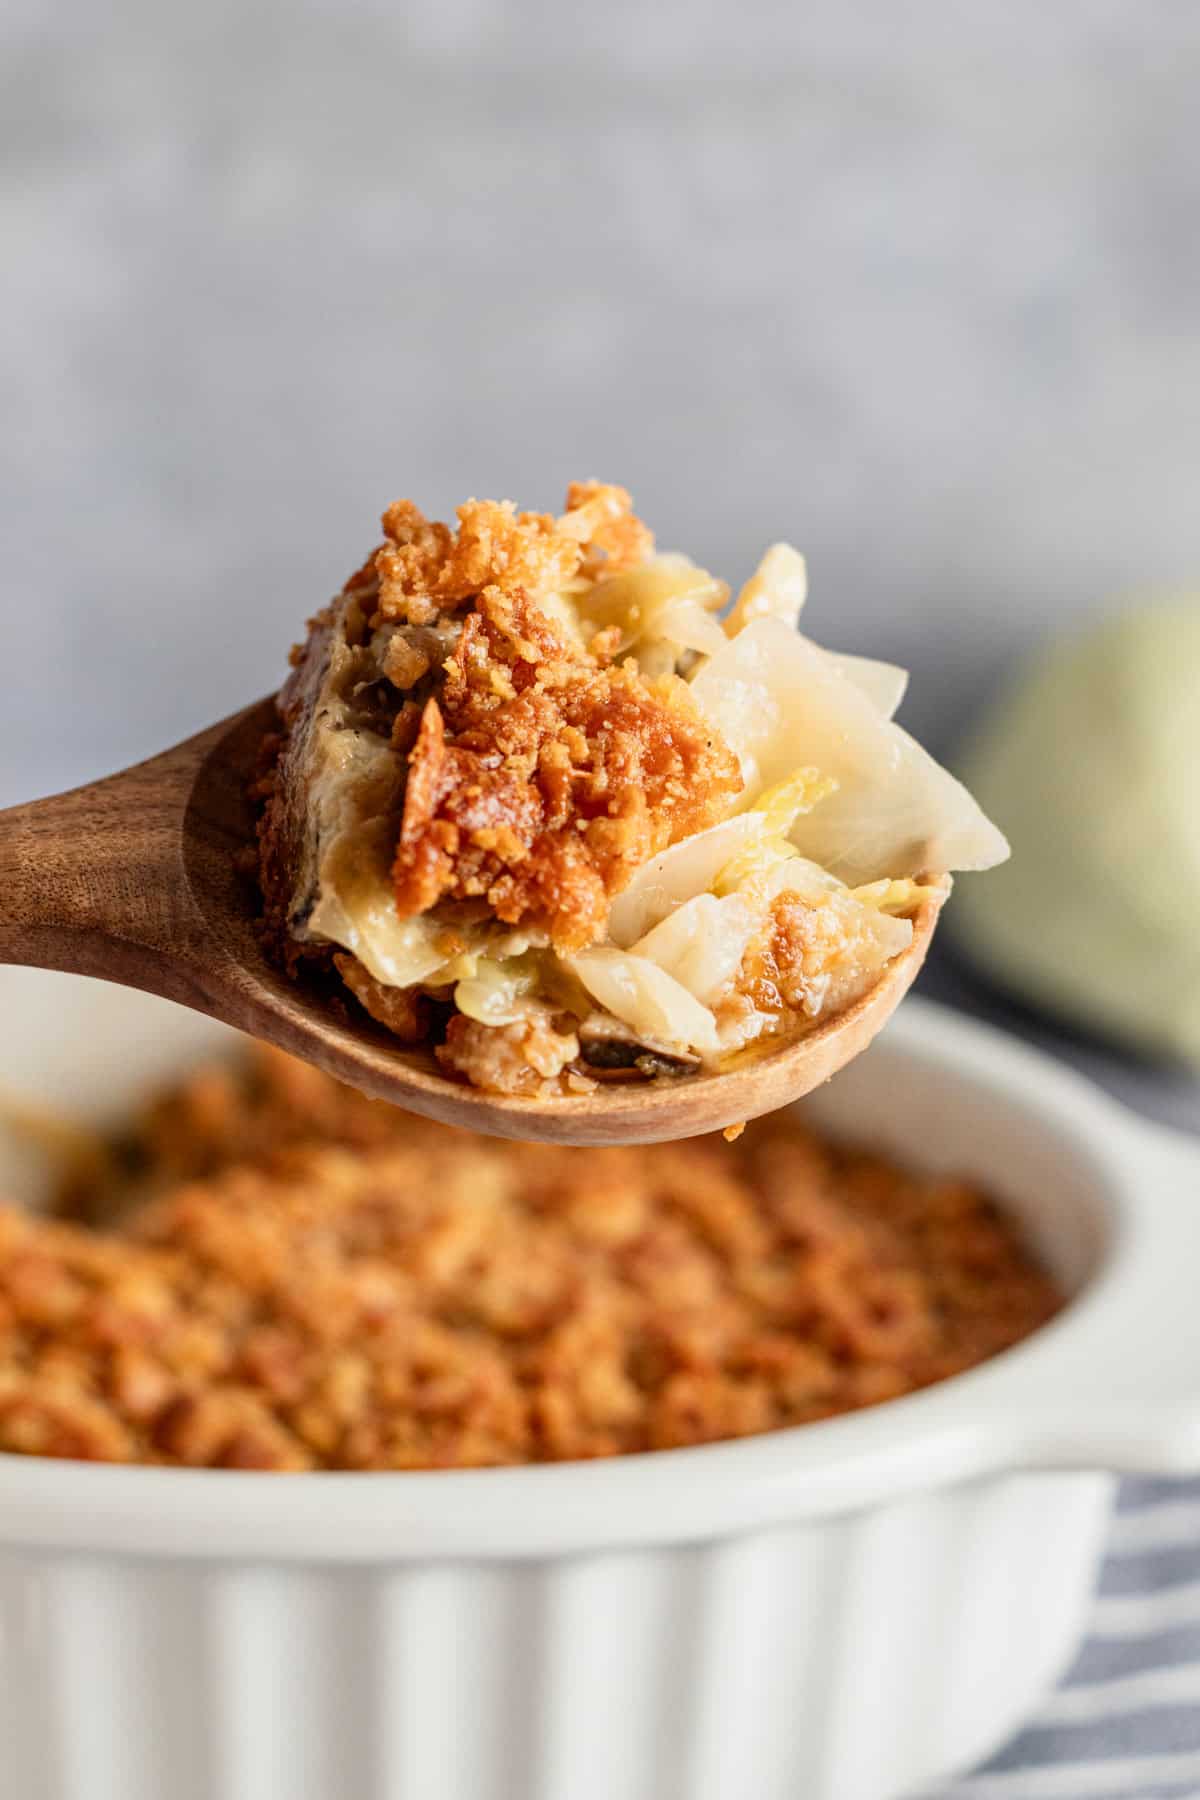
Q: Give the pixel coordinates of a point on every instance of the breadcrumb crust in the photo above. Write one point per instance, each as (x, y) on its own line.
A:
(293, 1277)
(542, 775)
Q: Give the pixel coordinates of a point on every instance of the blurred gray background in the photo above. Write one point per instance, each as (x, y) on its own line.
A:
(917, 286)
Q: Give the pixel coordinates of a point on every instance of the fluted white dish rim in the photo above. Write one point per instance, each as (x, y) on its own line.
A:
(1113, 1382)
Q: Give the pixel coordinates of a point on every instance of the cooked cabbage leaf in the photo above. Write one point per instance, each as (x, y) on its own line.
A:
(356, 908)
(687, 868)
(783, 704)
(643, 996)
(884, 684)
(702, 943)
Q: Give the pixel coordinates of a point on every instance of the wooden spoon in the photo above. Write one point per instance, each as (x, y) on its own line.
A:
(135, 879)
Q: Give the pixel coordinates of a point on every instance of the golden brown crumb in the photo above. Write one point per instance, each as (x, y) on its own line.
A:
(378, 1292)
(220, 1115)
(404, 1011)
(404, 664)
(808, 962)
(542, 777)
(423, 567)
(526, 1057)
(516, 773)
(601, 516)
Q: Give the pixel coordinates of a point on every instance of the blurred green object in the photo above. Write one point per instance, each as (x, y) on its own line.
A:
(1091, 766)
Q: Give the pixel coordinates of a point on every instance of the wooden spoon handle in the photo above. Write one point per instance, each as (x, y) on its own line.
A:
(94, 880)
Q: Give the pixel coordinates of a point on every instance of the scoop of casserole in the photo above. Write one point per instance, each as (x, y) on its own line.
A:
(534, 802)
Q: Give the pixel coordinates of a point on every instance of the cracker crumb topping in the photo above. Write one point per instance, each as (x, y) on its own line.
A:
(542, 779)
(542, 774)
(288, 1276)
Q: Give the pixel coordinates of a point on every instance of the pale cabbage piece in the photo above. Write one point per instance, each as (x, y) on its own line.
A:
(356, 908)
(777, 589)
(643, 996)
(702, 943)
(660, 609)
(686, 622)
(782, 704)
(883, 683)
(497, 991)
(780, 806)
(710, 860)
(892, 935)
(798, 875)
(563, 612)
(891, 896)
(681, 627)
(352, 799)
(777, 811)
(689, 867)
(754, 865)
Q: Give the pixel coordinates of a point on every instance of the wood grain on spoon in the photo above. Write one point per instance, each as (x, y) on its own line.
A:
(135, 879)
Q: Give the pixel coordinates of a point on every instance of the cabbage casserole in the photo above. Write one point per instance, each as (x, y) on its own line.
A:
(542, 800)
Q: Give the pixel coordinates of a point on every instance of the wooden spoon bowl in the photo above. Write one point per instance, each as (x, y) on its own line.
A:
(136, 879)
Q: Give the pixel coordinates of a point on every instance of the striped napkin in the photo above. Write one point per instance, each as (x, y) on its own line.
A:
(1125, 1723)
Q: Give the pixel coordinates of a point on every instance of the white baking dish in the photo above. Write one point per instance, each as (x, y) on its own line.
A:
(841, 1612)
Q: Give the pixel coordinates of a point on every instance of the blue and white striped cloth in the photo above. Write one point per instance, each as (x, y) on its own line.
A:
(1125, 1723)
